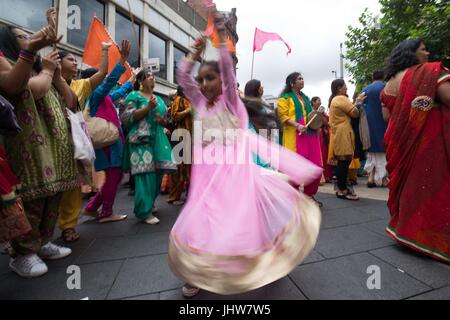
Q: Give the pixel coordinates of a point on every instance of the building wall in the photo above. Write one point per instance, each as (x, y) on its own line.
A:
(170, 20)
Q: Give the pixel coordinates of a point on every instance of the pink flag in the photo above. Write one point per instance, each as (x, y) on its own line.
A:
(262, 37)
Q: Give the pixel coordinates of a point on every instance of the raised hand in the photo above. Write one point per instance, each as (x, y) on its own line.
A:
(106, 45)
(50, 61)
(199, 46)
(124, 51)
(135, 72)
(46, 36)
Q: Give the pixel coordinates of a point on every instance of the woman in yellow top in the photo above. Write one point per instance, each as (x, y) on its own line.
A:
(293, 108)
(342, 136)
(71, 201)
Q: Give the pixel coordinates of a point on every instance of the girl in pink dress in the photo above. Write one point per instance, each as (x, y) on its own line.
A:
(242, 226)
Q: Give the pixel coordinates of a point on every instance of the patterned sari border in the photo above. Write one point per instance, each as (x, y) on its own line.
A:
(418, 247)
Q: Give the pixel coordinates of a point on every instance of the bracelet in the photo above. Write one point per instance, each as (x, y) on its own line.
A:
(27, 55)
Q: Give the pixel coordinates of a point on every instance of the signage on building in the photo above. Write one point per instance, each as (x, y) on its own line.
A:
(152, 65)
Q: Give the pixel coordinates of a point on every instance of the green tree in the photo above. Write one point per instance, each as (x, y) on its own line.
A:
(369, 45)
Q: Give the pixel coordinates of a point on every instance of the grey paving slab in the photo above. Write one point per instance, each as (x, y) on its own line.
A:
(335, 203)
(145, 275)
(347, 277)
(439, 294)
(165, 225)
(347, 240)
(378, 226)
(347, 216)
(125, 247)
(432, 272)
(154, 296)
(283, 289)
(96, 280)
(4, 261)
(378, 208)
(314, 256)
(93, 229)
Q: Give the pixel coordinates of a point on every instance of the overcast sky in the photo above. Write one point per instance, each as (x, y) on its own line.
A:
(313, 28)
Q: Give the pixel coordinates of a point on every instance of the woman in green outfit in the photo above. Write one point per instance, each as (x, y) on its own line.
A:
(148, 153)
(41, 155)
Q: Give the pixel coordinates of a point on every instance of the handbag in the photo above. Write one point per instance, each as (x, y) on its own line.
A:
(8, 121)
(103, 133)
(364, 131)
(82, 144)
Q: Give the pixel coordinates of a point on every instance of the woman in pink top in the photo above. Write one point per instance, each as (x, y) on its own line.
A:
(242, 226)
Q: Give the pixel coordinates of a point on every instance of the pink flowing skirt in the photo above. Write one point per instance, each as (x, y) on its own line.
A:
(244, 226)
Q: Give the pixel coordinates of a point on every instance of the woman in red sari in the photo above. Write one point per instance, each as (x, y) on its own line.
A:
(416, 100)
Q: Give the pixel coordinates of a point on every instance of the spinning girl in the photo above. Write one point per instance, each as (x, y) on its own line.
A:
(243, 226)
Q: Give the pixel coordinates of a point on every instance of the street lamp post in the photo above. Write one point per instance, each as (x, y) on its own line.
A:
(342, 63)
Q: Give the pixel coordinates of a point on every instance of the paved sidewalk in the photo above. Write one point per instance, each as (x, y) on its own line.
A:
(128, 260)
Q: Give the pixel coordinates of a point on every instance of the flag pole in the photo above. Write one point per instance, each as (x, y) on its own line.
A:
(253, 62)
(253, 58)
(56, 20)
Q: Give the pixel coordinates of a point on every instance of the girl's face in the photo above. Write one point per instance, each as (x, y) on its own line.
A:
(261, 91)
(69, 65)
(210, 82)
(317, 104)
(298, 84)
(149, 80)
(422, 53)
(22, 37)
(343, 90)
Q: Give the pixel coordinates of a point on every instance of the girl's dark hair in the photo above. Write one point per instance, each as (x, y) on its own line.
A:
(335, 86)
(141, 76)
(89, 72)
(290, 80)
(402, 57)
(180, 91)
(260, 114)
(11, 49)
(252, 88)
(314, 99)
(8, 43)
(62, 54)
(212, 64)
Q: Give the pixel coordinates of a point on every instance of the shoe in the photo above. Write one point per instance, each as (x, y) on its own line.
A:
(53, 252)
(113, 218)
(371, 185)
(189, 291)
(152, 220)
(89, 214)
(29, 266)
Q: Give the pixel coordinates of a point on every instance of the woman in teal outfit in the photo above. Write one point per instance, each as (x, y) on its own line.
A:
(147, 152)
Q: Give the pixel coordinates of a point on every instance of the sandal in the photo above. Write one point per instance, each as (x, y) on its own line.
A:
(347, 196)
(113, 218)
(189, 291)
(152, 220)
(70, 235)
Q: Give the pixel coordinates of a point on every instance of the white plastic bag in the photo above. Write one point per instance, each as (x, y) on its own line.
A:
(82, 144)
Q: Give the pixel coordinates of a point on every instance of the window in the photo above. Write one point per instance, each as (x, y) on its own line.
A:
(79, 19)
(28, 14)
(124, 30)
(158, 49)
(178, 55)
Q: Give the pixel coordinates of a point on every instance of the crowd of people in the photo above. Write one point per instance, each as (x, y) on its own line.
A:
(242, 225)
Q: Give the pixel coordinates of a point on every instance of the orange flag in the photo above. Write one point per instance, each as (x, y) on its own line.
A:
(212, 33)
(93, 49)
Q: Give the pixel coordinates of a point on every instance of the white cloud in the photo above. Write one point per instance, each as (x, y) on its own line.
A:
(314, 30)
